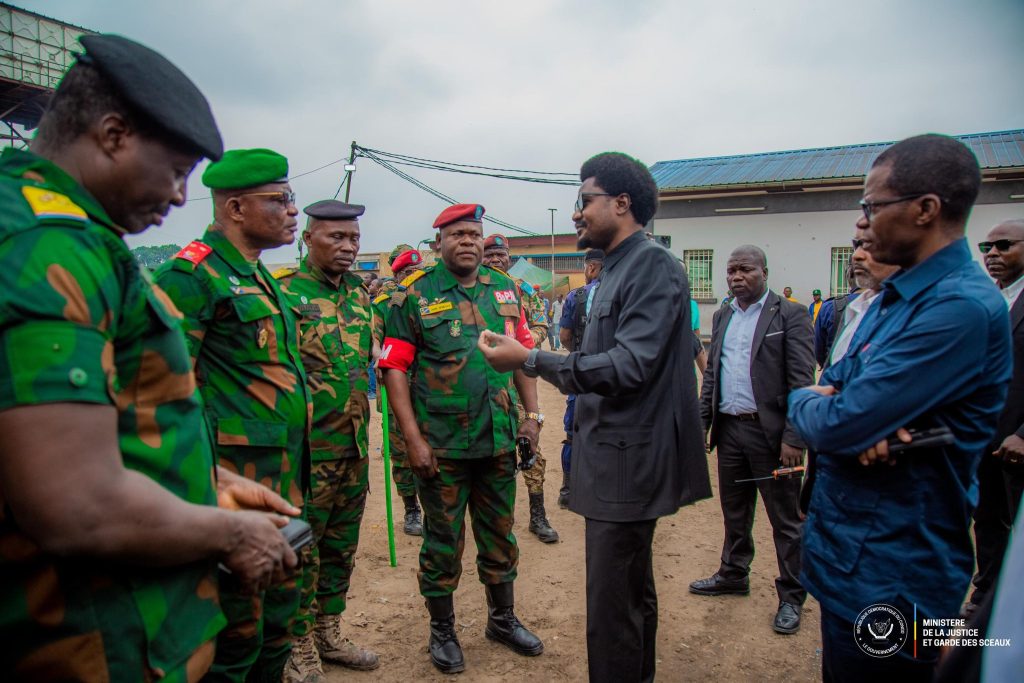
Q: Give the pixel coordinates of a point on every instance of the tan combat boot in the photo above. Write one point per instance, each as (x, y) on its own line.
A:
(304, 664)
(335, 648)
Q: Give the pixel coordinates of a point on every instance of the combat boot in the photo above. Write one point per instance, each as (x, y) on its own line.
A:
(504, 627)
(304, 665)
(338, 649)
(539, 526)
(445, 650)
(413, 522)
(563, 493)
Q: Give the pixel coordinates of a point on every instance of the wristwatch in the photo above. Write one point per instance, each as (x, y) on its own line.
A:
(530, 366)
(539, 417)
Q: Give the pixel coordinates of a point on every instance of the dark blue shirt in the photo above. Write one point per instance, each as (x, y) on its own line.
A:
(826, 325)
(933, 351)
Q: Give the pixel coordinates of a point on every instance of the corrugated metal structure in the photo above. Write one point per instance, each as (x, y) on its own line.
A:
(35, 51)
(996, 152)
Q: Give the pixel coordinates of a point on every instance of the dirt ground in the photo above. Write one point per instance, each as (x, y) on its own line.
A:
(726, 638)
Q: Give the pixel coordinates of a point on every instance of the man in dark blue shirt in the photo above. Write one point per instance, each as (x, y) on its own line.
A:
(932, 352)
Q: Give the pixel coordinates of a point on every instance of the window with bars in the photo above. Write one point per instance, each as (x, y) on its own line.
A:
(840, 260)
(568, 263)
(698, 270)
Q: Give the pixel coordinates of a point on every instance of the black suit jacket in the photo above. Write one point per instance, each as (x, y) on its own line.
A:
(781, 359)
(637, 451)
(1011, 420)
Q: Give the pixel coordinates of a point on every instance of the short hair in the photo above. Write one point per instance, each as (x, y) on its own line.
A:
(751, 250)
(83, 96)
(617, 173)
(937, 164)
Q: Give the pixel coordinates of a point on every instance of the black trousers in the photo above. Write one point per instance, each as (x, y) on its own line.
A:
(622, 605)
(743, 453)
(999, 493)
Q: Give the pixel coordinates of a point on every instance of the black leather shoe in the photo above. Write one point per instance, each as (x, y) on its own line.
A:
(504, 627)
(445, 650)
(716, 585)
(787, 619)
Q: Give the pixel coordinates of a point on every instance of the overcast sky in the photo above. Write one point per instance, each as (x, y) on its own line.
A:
(542, 85)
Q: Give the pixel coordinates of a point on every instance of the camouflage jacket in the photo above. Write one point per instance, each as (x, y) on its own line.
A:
(81, 322)
(463, 406)
(244, 344)
(380, 308)
(335, 342)
(533, 304)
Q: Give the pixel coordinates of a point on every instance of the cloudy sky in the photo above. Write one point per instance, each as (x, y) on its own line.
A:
(542, 85)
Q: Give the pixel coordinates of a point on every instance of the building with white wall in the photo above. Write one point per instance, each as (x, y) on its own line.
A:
(800, 207)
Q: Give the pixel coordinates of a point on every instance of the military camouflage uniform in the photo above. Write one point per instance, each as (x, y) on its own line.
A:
(533, 304)
(400, 471)
(465, 411)
(81, 322)
(335, 342)
(243, 341)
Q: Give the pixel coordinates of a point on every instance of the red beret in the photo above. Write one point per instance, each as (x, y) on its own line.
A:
(496, 240)
(406, 258)
(459, 212)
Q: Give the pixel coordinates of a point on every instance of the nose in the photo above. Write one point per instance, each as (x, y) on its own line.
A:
(577, 215)
(862, 222)
(180, 193)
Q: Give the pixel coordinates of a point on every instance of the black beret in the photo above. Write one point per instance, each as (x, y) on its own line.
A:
(333, 210)
(156, 88)
(594, 255)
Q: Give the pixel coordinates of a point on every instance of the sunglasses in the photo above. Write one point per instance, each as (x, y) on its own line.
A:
(286, 198)
(861, 244)
(580, 203)
(1001, 245)
(868, 207)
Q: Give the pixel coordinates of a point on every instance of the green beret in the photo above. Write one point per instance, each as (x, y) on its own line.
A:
(241, 168)
(400, 249)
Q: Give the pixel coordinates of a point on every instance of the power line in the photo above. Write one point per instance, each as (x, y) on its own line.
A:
(452, 167)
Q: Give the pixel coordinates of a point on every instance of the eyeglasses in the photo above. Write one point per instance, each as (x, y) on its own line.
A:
(1001, 245)
(861, 244)
(583, 195)
(286, 198)
(869, 207)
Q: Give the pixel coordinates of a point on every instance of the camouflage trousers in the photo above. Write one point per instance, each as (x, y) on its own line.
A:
(487, 486)
(401, 473)
(534, 477)
(256, 642)
(335, 510)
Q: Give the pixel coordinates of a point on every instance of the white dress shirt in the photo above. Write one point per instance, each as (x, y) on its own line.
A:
(853, 314)
(736, 391)
(1012, 292)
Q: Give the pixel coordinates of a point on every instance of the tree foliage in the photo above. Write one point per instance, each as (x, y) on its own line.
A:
(152, 257)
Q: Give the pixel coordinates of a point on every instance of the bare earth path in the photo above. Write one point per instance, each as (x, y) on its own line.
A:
(726, 638)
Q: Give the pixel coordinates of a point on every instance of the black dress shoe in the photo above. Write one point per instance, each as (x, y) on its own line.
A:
(787, 619)
(716, 585)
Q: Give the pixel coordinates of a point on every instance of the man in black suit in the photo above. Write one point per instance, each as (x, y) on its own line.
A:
(637, 453)
(761, 348)
(1001, 472)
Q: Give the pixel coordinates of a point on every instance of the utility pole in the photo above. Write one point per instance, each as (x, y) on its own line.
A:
(350, 168)
(552, 254)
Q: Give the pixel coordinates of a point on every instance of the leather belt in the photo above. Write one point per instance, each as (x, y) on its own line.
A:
(745, 417)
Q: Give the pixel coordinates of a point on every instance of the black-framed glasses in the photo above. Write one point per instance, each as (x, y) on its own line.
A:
(583, 195)
(860, 244)
(286, 198)
(868, 207)
(1001, 245)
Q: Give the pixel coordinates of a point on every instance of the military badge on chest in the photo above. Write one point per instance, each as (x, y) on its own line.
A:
(438, 305)
(455, 328)
(262, 337)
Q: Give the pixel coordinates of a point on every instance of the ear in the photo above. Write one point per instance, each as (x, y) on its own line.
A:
(234, 210)
(623, 202)
(307, 236)
(112, 134)
(930, 208)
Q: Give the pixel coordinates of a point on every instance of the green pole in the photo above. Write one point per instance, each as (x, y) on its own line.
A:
(386, 449)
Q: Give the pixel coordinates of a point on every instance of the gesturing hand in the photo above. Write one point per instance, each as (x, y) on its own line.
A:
(503, 353)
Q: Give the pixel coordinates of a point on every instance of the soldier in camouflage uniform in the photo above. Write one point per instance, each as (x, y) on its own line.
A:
(496, 255)
(333, 308)
(243, 340)
(109, 530)
(404, 261)
(460, 426)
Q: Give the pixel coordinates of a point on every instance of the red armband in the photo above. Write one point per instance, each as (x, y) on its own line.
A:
(396, 354)
(523, 335)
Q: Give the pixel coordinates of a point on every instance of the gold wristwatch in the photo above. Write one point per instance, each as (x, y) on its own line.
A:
(539, 417)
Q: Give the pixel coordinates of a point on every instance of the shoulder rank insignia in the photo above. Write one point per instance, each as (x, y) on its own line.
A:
(195, 252)
(413, 278)
(49, 204)
(381, 297)
(282, 272)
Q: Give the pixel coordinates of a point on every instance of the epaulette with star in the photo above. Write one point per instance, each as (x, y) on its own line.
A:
(191, 256)
(284, 272)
